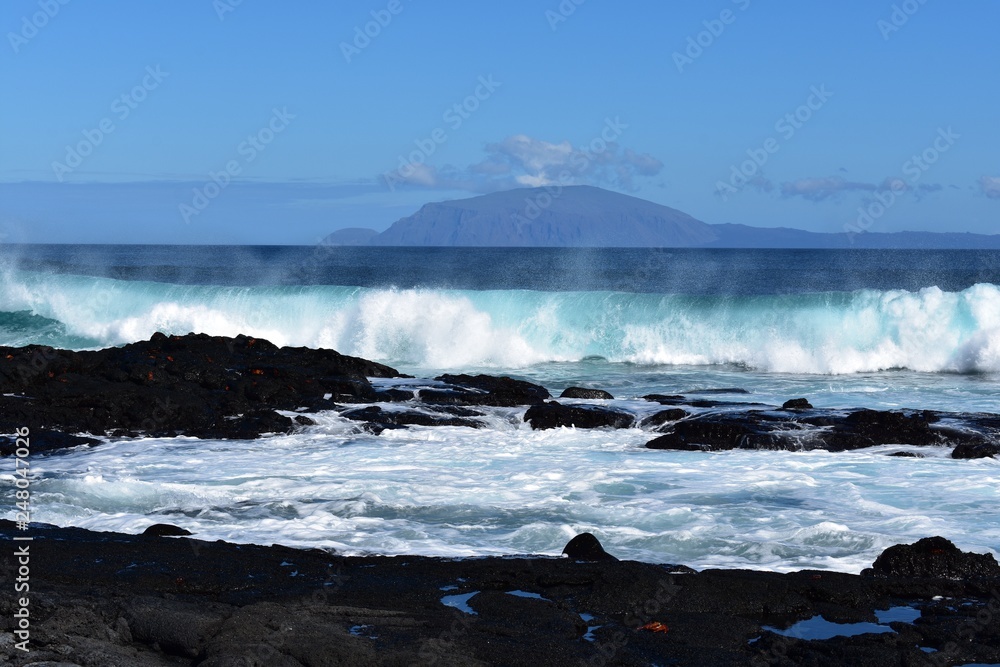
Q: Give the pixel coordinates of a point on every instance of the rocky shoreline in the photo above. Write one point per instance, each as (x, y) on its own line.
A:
(120, 600)
(238, 388)
(113, 600)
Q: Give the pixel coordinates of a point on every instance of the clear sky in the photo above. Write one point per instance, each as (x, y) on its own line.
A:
(117, 115)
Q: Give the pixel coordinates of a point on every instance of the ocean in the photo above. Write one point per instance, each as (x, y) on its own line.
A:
(880, 329)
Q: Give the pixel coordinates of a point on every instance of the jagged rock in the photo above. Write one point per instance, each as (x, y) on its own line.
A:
(194, 385)
(934, 557)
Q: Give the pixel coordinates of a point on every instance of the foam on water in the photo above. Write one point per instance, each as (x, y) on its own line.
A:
(507, 489)
(450, 491)
(825, 333)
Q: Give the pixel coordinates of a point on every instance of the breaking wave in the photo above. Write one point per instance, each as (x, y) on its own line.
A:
(928, 330)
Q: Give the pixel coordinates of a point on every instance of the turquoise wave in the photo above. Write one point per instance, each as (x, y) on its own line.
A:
(824, 333)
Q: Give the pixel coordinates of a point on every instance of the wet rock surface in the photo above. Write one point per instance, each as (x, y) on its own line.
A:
(490, 390)
(375, 415)
(243, 388)
(556, 415)
(131, 600)
(794, 429)
(196, 385)
(590, 394)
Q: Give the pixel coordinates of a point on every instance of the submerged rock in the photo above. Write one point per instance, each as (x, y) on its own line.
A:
(386, 418)
(719, 390)
(664, 416)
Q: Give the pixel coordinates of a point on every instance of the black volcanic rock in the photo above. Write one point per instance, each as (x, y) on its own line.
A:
(486, 390)
(142, 601)
(166, 530)
(934, 557)
(721, 432)
(830, 430)
(196, 385)
(589, 394)
(42, 440)
(664, 416)
(975, 451)
(385, 418)
(717, 390)
(586, 546)
(555, 415)
(796, 404)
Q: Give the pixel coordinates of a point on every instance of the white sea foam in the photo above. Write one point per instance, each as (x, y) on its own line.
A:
(836, 333)
(460, 492)
(506, 489)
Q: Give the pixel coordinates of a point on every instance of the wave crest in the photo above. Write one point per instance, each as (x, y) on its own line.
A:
(831, 333)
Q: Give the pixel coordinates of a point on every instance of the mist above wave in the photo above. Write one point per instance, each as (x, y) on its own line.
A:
(928, 330)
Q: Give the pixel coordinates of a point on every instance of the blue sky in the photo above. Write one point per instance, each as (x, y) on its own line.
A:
(268, 122)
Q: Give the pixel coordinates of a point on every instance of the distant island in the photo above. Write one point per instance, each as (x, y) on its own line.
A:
(583, 216)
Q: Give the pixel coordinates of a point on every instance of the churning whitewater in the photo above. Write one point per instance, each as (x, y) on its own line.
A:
(828, 333)
(846, 330)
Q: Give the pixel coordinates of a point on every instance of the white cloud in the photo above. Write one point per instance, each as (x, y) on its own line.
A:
(990, 186)
(523, 161)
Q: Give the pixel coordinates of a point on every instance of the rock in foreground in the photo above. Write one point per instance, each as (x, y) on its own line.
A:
(132, 600)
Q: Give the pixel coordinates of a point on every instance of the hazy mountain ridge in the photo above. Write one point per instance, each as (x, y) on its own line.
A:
(585, 216)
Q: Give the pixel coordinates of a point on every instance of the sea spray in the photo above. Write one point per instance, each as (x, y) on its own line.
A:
(829, 333)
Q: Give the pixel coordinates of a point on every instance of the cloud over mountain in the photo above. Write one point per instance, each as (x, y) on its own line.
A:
(523, 161)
